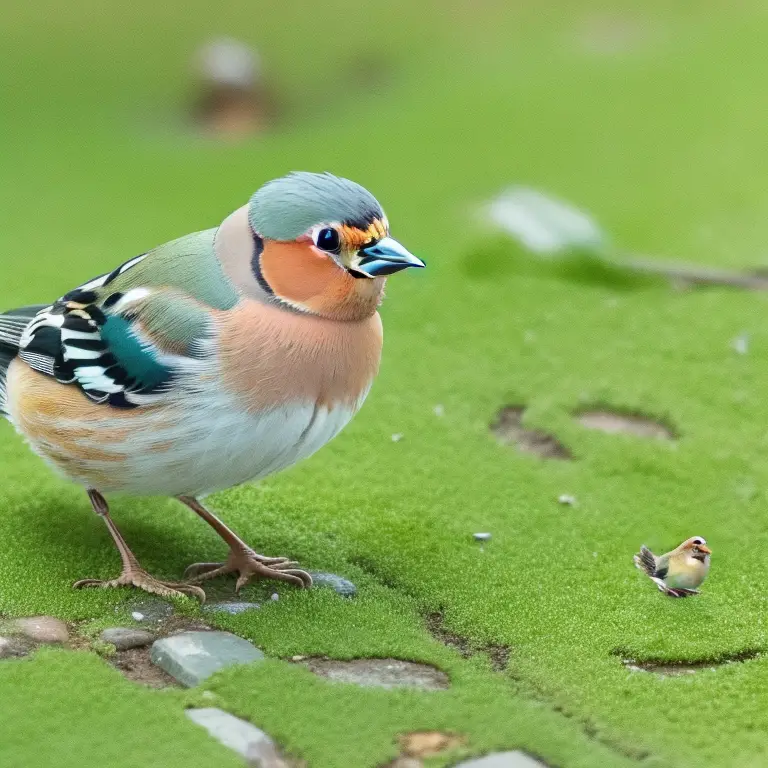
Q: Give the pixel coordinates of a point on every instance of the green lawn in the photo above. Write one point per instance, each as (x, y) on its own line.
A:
(654, 121)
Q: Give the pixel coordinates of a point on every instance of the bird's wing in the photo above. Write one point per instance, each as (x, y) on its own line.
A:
(662, 567)
(122, 349)
(655, 567)
(123, 336)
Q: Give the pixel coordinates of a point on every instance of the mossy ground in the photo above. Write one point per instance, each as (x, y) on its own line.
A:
(659, 133)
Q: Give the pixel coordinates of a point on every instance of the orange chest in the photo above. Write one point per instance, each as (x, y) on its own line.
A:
(272, 357)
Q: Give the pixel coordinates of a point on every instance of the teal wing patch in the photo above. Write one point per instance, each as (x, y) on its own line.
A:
(119, 349)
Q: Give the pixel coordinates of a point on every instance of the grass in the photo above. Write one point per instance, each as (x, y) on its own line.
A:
(662, 143)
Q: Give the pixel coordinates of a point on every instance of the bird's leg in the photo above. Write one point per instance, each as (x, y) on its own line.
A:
(242, 559)
(681, 592)
(132, 573)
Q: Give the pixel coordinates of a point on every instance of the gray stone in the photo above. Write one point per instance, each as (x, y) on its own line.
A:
(515, 759)
(381, 673)
(191, 657)
(151, 610)
(11, 647)
(238, 735)
(338, 584)
(43, 629)
(231, 608)
(124, 638)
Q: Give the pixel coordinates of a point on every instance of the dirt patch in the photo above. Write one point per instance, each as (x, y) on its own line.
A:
(614, 35)
(509, 429)
(497, 653)
(665, 668)
(615, 423)
(135, 664)
(428, 743)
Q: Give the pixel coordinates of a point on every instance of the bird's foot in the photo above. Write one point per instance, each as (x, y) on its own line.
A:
(248, 564)
(138, 577)
(680, 592)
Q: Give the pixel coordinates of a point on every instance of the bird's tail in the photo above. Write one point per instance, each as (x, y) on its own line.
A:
(12, 325)
(645, 560)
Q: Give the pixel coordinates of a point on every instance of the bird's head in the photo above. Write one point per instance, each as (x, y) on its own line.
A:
(696, 547)
(315, 243)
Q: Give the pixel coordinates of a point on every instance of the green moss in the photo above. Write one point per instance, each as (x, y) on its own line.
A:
(659, 145)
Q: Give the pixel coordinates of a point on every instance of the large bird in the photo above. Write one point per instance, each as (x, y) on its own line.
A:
(215, 359)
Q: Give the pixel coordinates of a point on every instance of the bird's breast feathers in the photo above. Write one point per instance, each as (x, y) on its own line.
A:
(686, 572)
(277, 386)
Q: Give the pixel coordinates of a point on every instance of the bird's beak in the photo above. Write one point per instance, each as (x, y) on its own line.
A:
(385, 257)
(705, 549)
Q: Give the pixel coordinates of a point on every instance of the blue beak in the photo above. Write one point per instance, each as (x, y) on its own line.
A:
(386, 257)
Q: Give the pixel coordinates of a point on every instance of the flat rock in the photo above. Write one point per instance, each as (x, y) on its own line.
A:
(338, 584)
(43, 629)
(124, 638)
(238, 735)
(381, 673)
(191, 657)
(515, 759)
(12, 647)
(233, 609)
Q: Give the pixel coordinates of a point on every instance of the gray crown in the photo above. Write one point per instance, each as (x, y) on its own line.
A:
(286, 208)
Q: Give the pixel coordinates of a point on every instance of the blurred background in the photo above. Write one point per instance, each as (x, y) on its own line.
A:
(125, 126)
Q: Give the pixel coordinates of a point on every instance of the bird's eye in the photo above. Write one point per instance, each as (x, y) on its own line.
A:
(328, 240)
(698, 541)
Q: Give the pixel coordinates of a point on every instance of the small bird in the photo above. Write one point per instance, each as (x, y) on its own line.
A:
(679, 572)
(218, 358)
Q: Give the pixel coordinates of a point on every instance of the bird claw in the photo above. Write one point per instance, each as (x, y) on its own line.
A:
(680, 592)
(248, 564)
(143, 580)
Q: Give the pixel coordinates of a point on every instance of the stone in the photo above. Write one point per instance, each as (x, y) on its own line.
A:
(233, 609)
(151, 610)
(43, 629)
(124, 638)
(238, 735)
(338, 584)
(191, 657)
(515, 759)
(381, 673)
(12, 647)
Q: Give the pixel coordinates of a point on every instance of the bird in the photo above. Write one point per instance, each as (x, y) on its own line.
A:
(216, 359)
(680, 572)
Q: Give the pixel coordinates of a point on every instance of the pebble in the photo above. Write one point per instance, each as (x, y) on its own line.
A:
(515, 759)
(191, 657)
(137, 616)
(481, 536)
(125, 638)
(381, 673)
(740, 344)
(338, 584)
(43, 629)
(238, 735)
(11, 647)
(233, 609)
(397, 437)
(274, 597)
(567, 500)
(439, 410)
